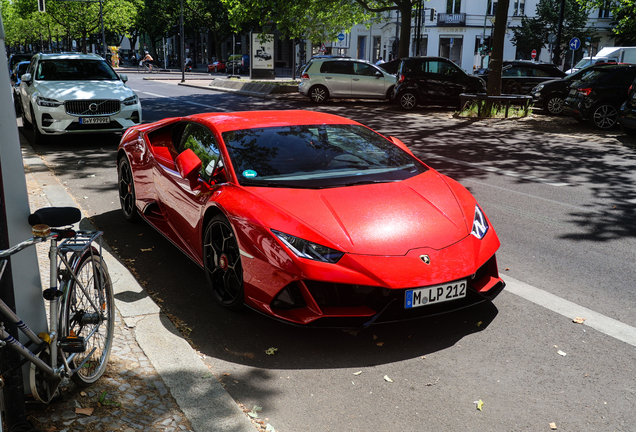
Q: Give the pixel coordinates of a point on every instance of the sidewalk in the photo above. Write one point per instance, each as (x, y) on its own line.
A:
(155, 381)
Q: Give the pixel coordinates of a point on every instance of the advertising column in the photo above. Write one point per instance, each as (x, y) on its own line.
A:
(262, 56)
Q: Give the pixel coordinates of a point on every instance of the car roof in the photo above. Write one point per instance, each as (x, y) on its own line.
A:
(224, 122)
(70, 56)
(343, 59)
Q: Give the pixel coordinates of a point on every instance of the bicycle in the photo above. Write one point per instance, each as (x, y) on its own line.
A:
(144, 67)
(81, 305)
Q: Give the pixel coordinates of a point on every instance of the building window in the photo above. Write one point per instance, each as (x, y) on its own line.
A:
(604, 11)
(519, 8)
(362, 47)
(423, 46)
(492, 7)
(450, 47)
(377, 40)
(453, 6)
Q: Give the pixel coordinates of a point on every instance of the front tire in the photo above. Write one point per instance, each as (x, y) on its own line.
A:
(127, 196)
(407, 100)
(89, 313)
(222, 264)
(604, 116)
(554, 105)
(38, 137)
(318, 94)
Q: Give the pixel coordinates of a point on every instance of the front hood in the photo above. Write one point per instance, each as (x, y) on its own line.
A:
(78, 90)
(386, 219)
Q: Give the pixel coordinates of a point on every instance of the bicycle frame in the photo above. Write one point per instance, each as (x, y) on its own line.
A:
(69, 252)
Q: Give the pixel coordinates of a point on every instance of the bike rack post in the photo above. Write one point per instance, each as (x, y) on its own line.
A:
(14, 211)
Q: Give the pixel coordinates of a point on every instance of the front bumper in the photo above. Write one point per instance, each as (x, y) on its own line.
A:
(56, 121)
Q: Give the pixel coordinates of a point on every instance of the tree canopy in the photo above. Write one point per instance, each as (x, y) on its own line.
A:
(623, 14)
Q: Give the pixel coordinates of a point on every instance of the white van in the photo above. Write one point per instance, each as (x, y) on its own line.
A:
(607, 55)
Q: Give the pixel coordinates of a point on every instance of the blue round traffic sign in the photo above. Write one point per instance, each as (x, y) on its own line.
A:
(575, 43)
(341, 37)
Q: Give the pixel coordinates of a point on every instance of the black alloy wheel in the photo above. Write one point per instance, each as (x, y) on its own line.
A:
(554, 105)
(127, 197)
(407, 100)
(318, 94)
(26, 124)
(513, 88)
(38, 137)
(222, 263)
(604, 116)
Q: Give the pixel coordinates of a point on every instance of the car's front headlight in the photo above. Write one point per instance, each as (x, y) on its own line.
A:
(480, 224)
(133, 100)
(309, 250)
(538, 88)
(46, 102)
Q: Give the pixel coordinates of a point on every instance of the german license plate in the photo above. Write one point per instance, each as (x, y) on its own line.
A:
(435, 294)
(94, 120)
(572, 92)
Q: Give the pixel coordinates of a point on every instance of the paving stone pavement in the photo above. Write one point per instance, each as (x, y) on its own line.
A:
(130, 397)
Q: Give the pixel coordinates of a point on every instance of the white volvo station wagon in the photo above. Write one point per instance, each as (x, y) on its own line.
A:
(76, 93)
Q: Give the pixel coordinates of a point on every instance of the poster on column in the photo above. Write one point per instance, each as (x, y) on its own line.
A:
(262, 50)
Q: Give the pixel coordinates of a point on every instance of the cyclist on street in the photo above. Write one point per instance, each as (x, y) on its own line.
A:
(148, 60)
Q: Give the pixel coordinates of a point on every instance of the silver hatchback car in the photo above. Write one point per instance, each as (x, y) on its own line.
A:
(345, 78)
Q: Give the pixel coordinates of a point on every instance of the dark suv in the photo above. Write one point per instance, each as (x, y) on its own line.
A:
(433, 81)
(550, 95)
(519, 76)
(597, 96)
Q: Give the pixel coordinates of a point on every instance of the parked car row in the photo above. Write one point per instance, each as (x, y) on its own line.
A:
(593, 94)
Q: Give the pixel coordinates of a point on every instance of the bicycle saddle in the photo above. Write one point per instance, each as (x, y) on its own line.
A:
(55, 216)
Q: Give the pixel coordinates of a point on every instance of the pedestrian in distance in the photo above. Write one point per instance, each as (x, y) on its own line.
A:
(380, 61)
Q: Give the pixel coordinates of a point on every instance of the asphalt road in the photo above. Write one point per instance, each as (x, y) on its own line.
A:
(564, 210)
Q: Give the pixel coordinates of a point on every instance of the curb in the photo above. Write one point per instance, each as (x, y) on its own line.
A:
(197, 392)
(261, 94)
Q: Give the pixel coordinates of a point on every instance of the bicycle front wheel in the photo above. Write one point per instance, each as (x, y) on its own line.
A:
(89, 313)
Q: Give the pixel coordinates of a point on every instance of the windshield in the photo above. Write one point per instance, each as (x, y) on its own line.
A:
(317, 156)
(74, 70)
(584, 62)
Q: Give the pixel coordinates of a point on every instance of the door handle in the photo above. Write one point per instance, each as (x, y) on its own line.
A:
(356, 79)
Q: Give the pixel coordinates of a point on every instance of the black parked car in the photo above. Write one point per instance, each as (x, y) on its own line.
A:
(597, 96)
(433, 81)
(627, 113)
(520, 76)
(16, 78)
(550, 95)
(14, 59)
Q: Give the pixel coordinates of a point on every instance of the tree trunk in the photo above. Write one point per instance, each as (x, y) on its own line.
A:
(496, 60)
(405, 31)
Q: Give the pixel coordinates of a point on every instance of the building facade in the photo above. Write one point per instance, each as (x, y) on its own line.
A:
(454, 29)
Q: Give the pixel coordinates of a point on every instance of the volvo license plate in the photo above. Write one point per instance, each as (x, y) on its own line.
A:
(94, 120)
(435, 294)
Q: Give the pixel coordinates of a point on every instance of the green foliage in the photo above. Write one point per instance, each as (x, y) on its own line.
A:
(623, 14)
(533, 32)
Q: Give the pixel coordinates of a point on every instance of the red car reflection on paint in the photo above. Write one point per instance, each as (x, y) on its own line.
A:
(308, 217)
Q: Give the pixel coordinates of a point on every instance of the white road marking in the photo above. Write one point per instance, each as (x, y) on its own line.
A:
(595, 320)
(497, 170)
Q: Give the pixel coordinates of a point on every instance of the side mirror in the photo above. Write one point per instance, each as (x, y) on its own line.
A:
(27, 78)
(123, 77)
(188, 164)
(401, 145)
(378, 74)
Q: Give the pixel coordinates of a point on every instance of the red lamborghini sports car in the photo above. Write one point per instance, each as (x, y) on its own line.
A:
(308, 217)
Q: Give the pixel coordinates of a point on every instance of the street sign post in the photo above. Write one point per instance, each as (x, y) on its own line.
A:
(575, 43)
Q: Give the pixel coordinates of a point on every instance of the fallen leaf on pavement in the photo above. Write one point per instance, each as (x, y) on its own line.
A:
(387, 379)
(553, 426)
(271, 351)
(254, 412)
(479, 323)
(380, 343)
(85, 411)
(561, 353)
(578, 320)
(357, 373)
(146, 250)
(480, 405)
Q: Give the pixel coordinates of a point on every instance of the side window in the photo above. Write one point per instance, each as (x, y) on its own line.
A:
(541, 73)
(441, 68)
(336, 67)
(202, 142)
(626, 77)
(511, 72)
(31, 68)
(363, 69)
